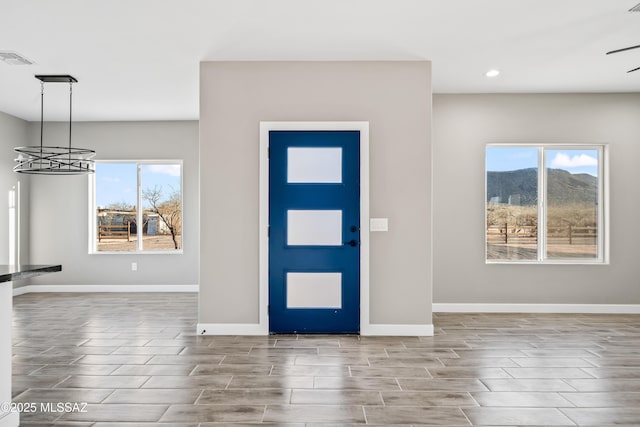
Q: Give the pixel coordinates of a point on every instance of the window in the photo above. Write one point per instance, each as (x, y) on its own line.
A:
(545, 204)
(137, 206)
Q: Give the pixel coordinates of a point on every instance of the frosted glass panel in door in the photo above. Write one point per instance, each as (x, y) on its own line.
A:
(314, 290)
(314, 227)
(314, 165)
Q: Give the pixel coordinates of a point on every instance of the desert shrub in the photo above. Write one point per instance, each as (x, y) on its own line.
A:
(579, 215)
(575, 214)
(498, 214)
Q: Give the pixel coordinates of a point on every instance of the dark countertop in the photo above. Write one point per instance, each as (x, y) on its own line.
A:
(9, 273)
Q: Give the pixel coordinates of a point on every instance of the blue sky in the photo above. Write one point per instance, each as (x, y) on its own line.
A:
(116, 182)
(514, 158)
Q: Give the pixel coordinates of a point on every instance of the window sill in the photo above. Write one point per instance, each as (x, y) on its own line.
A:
(555, 262)
(136, 253)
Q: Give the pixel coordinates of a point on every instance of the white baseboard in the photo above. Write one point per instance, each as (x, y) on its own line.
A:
(11, 419)
(104, 288)
(257, 329)
(537, 308)
(231, 329)
(397, 330)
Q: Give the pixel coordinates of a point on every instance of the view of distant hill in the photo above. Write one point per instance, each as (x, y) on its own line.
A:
(521, 187)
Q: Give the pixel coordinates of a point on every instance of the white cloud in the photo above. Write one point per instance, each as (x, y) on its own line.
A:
(171, 170)
(562, 160)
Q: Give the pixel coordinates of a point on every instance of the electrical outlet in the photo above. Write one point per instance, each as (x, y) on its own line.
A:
(134, 266)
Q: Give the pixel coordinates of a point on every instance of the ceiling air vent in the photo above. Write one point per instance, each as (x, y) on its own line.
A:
(13, 58)
(635, 8)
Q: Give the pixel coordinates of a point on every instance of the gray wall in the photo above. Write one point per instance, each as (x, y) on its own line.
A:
(462, 125)
(395, 97)
(13, 133)
(60, 212)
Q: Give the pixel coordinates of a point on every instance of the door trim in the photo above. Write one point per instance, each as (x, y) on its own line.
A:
(265, 127)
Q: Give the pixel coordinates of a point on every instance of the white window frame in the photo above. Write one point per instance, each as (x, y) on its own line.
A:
(93, 250)
(603, 205)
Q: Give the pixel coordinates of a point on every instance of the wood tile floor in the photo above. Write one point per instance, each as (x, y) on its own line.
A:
(135, 360)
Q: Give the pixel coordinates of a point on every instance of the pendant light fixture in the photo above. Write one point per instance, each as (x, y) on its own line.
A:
(51, 160)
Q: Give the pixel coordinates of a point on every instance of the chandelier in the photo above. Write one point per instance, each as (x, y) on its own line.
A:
(50, 160)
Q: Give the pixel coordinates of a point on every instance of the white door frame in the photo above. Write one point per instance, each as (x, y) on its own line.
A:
(363, 127)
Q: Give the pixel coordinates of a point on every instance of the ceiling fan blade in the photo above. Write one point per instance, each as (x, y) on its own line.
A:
(635, 69)
(623, 49)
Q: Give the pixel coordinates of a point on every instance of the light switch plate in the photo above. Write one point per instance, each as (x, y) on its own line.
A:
(379, 224)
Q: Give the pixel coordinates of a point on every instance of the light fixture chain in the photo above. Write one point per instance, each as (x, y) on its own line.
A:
(70, 109)
(41, 116)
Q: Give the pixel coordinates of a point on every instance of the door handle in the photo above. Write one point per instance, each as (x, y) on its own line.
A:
(352, 243)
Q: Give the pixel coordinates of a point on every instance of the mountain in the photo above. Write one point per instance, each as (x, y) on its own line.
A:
(519, 187)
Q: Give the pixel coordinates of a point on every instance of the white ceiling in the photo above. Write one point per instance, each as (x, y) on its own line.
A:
(138, 60)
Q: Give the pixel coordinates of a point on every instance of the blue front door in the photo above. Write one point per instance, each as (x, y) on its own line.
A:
(314, 231)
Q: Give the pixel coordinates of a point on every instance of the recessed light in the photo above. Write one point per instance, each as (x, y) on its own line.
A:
(492, 73)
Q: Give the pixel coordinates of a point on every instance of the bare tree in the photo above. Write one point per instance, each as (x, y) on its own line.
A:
(122, 206)
(169, 210)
